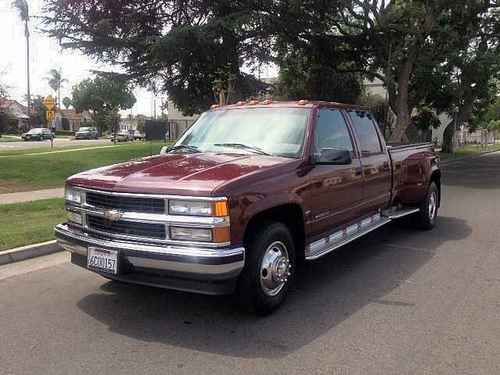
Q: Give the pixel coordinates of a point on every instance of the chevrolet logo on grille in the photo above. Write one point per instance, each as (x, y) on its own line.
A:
(113, 215)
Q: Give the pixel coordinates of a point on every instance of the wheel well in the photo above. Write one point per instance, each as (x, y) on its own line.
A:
(290, 215)
(436, 178)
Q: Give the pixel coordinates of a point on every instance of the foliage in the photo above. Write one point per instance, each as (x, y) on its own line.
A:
(184, 48)
(426, 119)
(103, 96)
(4, 122)
(55, 81)
(381, 110)
(66, 102)
(40, 117)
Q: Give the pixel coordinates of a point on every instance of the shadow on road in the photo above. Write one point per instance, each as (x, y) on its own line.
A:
(327, 292)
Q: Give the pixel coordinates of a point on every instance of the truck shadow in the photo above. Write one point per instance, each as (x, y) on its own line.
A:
(328, 291)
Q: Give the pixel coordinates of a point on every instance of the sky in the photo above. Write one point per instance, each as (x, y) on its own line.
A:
(45, 54)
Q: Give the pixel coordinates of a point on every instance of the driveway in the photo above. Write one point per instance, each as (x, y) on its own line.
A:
(399, 301)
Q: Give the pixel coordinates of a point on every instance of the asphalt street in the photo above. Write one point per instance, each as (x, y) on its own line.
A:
(58, 142)
(400, 301)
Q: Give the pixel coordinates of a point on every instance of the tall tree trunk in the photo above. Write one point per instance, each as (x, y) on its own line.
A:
(400, 100)
(448, 134)
(464, 115)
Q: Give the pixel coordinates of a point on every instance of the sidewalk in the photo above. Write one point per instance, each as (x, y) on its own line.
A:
(28, 196)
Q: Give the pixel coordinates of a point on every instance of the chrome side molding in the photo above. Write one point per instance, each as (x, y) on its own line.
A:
(342, 237)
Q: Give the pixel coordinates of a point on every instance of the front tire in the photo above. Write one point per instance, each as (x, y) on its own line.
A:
(269, 268)
(426, 217)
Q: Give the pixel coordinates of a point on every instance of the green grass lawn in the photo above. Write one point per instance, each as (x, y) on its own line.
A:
(27, 223)
(470, 150)
(30, 172)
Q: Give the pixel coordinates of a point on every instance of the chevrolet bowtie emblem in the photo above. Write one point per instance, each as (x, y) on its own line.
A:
(113, 215)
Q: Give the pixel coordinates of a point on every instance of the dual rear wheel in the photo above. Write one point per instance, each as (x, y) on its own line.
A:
(271, 259)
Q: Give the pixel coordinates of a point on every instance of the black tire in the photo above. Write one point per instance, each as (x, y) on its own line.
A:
(273, 239)
(426, 218)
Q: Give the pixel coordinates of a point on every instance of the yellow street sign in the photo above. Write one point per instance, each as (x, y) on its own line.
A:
(50, 115)
(49, 102)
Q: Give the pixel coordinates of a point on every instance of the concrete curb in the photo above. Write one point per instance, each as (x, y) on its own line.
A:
(30, 251)
(451, 161)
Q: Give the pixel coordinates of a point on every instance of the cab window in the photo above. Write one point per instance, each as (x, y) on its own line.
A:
(331, 131)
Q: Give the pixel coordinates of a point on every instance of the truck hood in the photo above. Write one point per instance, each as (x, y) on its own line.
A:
(184, 174)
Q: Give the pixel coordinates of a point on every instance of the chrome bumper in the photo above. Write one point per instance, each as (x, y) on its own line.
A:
(169, 264)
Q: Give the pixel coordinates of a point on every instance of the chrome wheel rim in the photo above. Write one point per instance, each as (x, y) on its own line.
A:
(275, 268)
(432, 206)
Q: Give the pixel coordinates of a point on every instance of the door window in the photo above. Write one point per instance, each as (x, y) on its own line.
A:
(366, 132)
(331, 131)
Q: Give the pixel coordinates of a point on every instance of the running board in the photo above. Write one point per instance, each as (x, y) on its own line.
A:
(397, 214)
(342, 237)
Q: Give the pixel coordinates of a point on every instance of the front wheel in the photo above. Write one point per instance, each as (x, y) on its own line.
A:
(426, 217)
(269, 268)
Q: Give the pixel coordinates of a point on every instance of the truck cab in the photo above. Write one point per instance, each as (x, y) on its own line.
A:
(244, 195)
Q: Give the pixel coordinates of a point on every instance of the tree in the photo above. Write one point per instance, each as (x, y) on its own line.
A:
(66, 102)
(39, 110)
(464, 83)
(186, 48)
(103, 96)
(23, 9)
(55, 81)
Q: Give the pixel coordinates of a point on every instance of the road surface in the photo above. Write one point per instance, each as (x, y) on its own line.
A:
(398, 302)
(58, 142)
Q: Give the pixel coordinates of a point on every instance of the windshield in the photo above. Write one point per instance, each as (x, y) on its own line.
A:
(273, 131)
(35, 131)
(85, 129)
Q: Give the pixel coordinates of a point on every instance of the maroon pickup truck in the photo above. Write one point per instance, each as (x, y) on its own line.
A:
(245, 194)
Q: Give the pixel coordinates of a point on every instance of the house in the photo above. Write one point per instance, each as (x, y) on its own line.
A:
(17, 114)
(69, 119)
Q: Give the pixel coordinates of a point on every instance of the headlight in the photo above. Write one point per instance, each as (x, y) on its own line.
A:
(191, 234)
(198, 208)
(73, 196)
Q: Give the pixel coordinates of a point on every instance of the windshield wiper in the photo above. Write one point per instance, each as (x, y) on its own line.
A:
(243, 146)
(184, 147)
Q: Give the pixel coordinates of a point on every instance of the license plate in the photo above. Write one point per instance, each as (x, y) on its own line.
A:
(103, 260)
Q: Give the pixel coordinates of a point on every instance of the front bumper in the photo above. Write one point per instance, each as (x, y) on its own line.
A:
(201, 270)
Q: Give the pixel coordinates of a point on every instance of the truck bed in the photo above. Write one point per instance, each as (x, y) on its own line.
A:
(412, 166)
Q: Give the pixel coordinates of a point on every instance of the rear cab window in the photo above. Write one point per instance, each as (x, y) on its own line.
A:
(368, 137)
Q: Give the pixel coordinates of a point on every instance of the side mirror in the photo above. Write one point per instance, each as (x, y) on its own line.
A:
(164, 150)
(333, 156)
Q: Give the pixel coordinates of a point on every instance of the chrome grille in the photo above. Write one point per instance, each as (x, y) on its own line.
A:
(127, 228)
(126, 203)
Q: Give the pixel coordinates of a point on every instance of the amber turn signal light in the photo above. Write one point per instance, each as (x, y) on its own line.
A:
(222, 234)
(221, 209)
